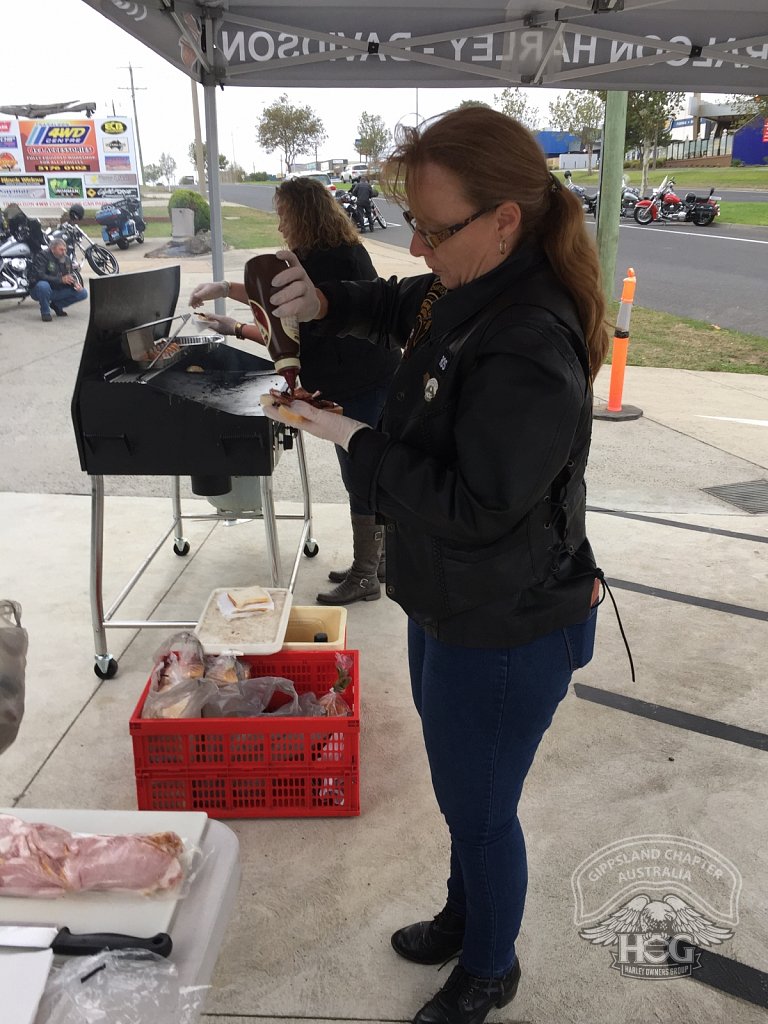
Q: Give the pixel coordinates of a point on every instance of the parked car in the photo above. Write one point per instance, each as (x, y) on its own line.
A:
(354, 172)
(320, 176)
(187, 179)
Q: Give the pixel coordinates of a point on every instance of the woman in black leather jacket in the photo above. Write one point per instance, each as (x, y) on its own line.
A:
(477, 472)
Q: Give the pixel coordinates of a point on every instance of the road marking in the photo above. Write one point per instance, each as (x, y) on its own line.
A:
(735, 419)
(698, 234)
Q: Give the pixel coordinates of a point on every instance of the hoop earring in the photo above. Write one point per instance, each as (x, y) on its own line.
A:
(503, 247)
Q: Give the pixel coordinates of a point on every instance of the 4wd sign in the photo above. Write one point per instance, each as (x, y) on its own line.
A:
(46, 162)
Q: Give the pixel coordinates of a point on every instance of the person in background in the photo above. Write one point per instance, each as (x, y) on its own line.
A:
(363, 192)
(53, 282)
(353, 373)
(477, 470)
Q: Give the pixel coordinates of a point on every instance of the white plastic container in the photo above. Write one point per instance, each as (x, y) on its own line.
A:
(306, 621)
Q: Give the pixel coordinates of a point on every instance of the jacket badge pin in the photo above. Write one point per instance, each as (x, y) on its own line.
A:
(444, 360)
(430, 389)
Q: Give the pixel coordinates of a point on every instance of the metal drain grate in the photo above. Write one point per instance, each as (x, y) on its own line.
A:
(751, 496)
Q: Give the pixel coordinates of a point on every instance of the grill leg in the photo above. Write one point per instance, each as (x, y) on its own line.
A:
(179, 540)
(304, 476)
(270, 528)
(103, 657)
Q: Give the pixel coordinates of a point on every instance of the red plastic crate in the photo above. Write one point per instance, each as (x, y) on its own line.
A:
(252, 795)
(255, 767)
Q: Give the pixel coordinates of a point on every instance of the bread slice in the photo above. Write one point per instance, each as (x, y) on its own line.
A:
(286, 415)
(248, 597)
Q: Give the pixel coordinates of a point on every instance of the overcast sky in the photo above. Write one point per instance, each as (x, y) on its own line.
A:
(61, 50)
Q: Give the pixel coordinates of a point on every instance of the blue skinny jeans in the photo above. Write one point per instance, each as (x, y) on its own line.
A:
(483, 713)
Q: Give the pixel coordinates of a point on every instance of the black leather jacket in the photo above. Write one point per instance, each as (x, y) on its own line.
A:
(478, 468)
(45, 267)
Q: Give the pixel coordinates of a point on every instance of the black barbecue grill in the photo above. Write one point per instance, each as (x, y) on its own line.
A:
(152, 400)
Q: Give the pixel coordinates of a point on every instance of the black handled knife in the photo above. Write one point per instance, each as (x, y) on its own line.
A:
(64, 943)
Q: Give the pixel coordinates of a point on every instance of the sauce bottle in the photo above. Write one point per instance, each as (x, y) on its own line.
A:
(280, 336)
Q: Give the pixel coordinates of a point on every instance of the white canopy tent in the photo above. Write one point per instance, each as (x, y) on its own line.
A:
(616, 45)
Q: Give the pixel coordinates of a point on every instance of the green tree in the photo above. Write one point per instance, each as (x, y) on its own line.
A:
(516, 103)
(152, 173)
(648, 118)
(223, 160)
(748, 107)
(167, 166)
(472, 103)
(582, 113)
(374, 136)
(292, 130)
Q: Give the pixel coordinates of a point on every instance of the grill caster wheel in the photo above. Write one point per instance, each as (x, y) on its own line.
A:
(105, 672)
(181, 550)
(311, 548)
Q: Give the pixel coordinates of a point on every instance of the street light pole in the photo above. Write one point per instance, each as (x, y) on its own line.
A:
(135, 119)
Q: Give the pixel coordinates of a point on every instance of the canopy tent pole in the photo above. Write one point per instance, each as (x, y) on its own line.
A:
(611, 173)
(214, 192)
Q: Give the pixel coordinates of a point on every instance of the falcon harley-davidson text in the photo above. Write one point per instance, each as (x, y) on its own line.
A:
(665, 205)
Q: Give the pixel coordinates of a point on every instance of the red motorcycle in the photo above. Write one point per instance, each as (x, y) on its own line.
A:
(664, 204)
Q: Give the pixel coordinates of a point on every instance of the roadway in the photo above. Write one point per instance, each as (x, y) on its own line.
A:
(715, 274)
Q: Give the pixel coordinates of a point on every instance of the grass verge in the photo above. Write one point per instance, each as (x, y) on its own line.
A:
(666, 340)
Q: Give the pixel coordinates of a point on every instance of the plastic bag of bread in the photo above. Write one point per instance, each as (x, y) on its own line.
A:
(182, 700)
(177, 687)
(177, 660)
(225, 669)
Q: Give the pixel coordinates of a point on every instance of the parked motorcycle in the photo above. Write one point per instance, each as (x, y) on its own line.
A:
(630, 197)
(23, 238)
(664, 204)
(99, 259)
(588, 200)
(122, 223)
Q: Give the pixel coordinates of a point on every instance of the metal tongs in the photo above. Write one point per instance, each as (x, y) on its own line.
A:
(184, 317)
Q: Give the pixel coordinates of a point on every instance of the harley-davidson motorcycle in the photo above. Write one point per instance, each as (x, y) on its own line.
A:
(99, 259)
(22, 237)
(665, 205)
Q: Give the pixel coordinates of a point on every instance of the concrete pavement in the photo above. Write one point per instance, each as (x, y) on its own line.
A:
(318, 899)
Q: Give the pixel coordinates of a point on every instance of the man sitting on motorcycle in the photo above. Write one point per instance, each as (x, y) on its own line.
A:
(363, 192)
(52, 281)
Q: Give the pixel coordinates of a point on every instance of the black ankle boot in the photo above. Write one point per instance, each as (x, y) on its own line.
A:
(465, 999)
(431, 942)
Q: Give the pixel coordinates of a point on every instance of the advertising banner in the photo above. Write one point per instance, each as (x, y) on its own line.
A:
(55, 161)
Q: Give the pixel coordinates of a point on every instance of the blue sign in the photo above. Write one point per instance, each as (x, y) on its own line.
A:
(682, 122)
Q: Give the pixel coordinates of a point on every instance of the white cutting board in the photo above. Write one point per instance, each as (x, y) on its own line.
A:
(102, 911)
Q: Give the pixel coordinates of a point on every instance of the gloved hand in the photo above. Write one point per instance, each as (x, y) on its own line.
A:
(329, 426)
(296, 295)
(209, 290)
(220, 324)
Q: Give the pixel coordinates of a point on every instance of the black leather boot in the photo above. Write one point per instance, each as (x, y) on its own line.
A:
(339, 575)
(464, 999)
(361, 583)
(431, 942)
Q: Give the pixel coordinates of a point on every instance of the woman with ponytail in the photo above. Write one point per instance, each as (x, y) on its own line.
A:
(477, 471)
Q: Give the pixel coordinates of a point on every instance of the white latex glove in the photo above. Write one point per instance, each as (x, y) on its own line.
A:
(329, 426)
(220, 324)
(296, 295)
(209, 290)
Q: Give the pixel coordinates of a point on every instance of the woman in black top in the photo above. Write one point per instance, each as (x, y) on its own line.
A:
(355, 375)
(477, 471)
